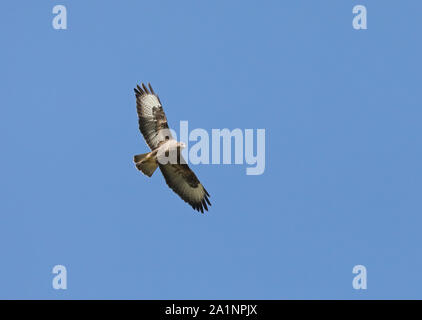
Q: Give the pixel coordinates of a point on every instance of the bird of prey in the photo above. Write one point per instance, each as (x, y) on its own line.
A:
(165, 151)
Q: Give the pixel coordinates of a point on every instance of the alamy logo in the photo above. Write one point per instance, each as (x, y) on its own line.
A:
(359, 21)
(60, 20)
(222, 146)
(359, 281)
(60, 280)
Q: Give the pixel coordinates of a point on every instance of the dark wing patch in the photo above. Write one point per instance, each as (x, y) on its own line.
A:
(183, 181)
(151, 117)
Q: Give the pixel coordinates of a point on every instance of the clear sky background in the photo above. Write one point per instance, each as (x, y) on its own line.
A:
(342, 185)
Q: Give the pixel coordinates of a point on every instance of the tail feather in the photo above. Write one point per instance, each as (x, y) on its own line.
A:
(146, 163)
(139, 157)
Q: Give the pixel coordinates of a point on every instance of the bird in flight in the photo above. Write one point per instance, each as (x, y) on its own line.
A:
(165, 151)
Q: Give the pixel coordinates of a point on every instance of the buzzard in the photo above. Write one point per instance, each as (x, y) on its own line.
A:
(165, 151)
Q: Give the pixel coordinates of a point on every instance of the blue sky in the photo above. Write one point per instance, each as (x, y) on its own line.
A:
(341, 109)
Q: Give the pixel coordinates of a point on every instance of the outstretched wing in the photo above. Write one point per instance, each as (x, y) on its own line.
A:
(152, 119)
(181, 179)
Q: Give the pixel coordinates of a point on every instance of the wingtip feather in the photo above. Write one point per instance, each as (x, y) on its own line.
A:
(145, 88)
(150, 88)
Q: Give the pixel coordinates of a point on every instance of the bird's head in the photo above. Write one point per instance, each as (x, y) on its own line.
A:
(181, 145)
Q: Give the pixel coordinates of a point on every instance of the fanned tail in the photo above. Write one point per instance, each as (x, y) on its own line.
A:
(146, 163)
